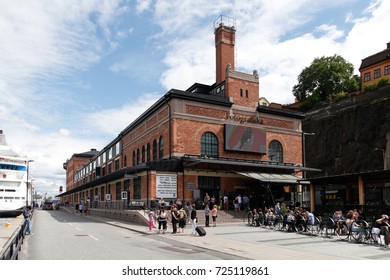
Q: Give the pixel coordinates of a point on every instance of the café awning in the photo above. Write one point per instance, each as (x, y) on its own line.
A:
(274, 178)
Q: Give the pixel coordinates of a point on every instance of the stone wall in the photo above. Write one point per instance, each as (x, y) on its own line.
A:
(348, 133)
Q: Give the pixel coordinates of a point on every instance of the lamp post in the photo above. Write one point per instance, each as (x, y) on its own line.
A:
(27, 183)
(384, 157)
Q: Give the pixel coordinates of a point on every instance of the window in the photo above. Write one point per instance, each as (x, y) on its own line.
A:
(377, 73)
(246, 93)
(143, 153)
(387, 70)
(134, 159)
(125, 161)
(161, 148)
(154, 149)
(118, 190)
(275, 151)
(241, 92)
(138, 157)
(148, 152)
(209, 145)
(367, 77)
(137, 188)
(116, 164)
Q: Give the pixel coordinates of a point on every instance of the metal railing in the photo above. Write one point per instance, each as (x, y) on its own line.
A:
(11, 249)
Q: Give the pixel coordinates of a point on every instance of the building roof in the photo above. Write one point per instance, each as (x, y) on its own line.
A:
(88, 154)
(376, 58)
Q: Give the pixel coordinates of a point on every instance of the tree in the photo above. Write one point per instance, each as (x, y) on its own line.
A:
(324, 78)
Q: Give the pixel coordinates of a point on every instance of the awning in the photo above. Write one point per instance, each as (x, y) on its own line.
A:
(274, 178)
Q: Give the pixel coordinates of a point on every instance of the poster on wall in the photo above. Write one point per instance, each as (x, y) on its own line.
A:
(166, 185)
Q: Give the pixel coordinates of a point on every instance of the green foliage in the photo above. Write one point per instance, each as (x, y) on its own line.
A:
(325, 77)
(339, 96)
(374, 86)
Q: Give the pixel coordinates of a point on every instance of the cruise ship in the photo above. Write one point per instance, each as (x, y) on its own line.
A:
(13, 180)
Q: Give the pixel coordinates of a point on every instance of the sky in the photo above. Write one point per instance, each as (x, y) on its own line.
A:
(75, 73)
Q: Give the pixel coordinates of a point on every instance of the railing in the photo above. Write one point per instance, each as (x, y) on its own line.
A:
(11, 249)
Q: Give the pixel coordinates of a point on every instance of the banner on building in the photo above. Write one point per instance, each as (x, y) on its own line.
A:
(166, 185)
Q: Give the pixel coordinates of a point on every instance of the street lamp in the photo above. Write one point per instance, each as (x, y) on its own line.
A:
(27, 183)
(384, 157)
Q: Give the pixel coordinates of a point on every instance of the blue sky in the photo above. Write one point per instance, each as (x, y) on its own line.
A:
(75, 73)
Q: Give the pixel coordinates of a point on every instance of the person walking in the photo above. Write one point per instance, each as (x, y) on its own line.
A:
(81, 207)
(193, 219)
(182, 220)
(162, 220)
(151, 220)
(27, 213)
(174, 218)
(207, 215)
(214, 212)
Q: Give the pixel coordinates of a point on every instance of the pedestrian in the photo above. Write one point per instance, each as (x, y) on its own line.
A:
(225, 202)
(214, 212)
(151, 220)
(81, 207)
(187, 208)
(182, 220)
(206, 199)
(27, 213)
(76, 208)
(193, 219)
(162, 220)
(174, 218)
(207, 215)
(85, 209)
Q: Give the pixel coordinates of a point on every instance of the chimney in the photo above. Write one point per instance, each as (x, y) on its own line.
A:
(225, 39)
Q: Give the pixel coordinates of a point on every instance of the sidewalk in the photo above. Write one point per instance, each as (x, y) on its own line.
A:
(215, 239)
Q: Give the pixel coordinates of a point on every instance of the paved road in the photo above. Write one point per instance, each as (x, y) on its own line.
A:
(62, 235)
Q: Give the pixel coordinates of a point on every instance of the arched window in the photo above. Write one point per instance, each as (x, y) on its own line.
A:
(134, 159)
(154, 149)
(125, 161)
(161, 148)
(143, 154)
(209, 144)
(138, 157)
(148, 152)
(275, 151)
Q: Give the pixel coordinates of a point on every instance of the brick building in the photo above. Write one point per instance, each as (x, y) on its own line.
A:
(375, 67)
(213, 139)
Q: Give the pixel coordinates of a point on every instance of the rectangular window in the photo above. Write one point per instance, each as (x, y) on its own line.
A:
(241, 92)
(246, 93)
(387, 70)
(367, 77)
(377, 73)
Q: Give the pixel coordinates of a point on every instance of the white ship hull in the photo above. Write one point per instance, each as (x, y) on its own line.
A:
(13, 181)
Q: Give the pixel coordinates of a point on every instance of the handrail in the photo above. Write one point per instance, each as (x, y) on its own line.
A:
(11, 249)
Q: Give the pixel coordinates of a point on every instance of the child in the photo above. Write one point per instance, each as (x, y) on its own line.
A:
(151, 220)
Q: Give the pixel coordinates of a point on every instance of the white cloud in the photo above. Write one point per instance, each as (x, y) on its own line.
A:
(113, 121)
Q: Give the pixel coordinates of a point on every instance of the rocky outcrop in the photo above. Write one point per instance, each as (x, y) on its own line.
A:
(350, 136)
